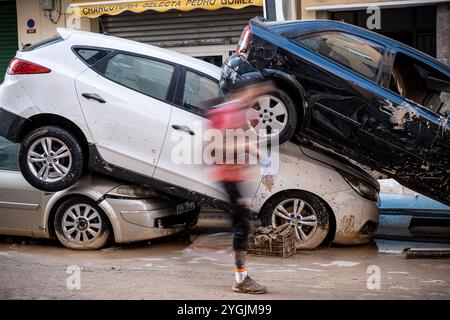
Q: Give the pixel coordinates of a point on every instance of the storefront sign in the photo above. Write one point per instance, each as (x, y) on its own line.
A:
(94, 9)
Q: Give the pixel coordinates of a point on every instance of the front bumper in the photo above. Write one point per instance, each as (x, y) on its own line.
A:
(11, 125)
(356, 218)
(141, 219)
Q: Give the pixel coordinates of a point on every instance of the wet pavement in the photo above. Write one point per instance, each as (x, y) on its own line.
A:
(176, 268)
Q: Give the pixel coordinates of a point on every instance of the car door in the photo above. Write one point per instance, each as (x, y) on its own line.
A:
(181, 160)
(20, 203)
(126, 100)
(412, 120)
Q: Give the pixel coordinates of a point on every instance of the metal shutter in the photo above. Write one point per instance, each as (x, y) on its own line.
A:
(181, 29)
(8, 35)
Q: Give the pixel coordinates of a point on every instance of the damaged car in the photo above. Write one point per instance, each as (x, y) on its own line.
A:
(358, 93)
(84, 101)
(90, 214)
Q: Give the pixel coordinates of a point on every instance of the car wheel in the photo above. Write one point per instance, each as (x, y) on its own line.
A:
(273, 115)
(51, 159)
(81, 224)
(304, 212)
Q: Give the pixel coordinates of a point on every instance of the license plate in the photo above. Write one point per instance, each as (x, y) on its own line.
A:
(185, 207)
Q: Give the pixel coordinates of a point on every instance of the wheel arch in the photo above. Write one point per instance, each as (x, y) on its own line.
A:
(294, 90)
(50, 119)
(56, 202)
(332, 231)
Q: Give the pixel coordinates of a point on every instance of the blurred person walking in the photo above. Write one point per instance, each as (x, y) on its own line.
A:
(229, 117)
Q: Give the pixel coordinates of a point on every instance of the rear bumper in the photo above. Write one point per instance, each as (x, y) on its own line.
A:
(11, 125)
(236, 72)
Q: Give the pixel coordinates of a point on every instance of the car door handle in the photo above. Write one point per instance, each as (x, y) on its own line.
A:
(93, 96)
(183, 128)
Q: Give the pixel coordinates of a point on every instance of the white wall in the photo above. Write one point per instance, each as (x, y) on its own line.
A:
(31, 9)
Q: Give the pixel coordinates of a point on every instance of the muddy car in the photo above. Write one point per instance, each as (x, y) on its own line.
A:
(93, 212)
(118, 106)
(365, 96)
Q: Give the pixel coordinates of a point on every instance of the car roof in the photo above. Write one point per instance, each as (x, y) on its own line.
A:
(107, 41)
(306, 26)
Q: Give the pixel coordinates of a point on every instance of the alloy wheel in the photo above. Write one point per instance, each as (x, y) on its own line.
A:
(49, 159)
(300, 216)
(268, 117)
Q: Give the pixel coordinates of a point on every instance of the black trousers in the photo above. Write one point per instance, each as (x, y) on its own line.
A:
(240, 216)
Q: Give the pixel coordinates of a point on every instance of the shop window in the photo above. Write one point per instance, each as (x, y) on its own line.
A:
(352, 52)
(420, 83)
(144, 75)
(198, 90)
(8, 155)
(216, 60)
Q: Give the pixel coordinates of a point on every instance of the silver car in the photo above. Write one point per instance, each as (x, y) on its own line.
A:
(88, 214)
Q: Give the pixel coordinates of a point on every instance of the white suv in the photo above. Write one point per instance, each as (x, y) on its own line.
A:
(84, 101)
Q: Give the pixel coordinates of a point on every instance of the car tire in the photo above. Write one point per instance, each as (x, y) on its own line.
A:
(45, 169)
(311, 229)
(275, 110)
(81, 224)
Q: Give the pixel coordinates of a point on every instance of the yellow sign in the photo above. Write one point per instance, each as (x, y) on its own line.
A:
(94, 9)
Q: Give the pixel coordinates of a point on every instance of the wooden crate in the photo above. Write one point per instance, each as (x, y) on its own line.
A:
(271, 241)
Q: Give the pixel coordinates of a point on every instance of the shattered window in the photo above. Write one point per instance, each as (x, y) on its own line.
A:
(8, 155)
(360, 55)
(416, 81)
(91, 56)
(198, 89)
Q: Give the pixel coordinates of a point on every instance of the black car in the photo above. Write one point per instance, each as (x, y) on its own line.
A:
(365, 96)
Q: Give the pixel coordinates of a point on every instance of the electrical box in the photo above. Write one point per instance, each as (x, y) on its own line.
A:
(47, 4)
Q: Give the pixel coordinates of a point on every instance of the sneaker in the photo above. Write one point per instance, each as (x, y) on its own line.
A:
(249, 286)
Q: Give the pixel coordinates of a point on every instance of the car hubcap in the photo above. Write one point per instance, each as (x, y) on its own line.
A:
(300, 216)
(81, 223)
(49, 159)
(268, 117)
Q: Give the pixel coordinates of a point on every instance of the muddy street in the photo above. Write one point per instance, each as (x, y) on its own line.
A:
(176, 268)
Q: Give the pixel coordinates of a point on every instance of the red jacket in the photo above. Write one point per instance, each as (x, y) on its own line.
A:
(229, 115)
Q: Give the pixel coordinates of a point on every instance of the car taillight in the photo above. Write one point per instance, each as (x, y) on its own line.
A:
(243, 46)
(19, 66)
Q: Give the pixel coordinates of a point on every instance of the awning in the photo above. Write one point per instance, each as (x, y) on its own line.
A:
(382, 5)
(96, 8)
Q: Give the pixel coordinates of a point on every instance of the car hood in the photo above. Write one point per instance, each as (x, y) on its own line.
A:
(338, 162)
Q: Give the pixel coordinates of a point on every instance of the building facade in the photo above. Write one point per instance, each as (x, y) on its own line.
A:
(422, 24)
(207, 29)
(210, 29)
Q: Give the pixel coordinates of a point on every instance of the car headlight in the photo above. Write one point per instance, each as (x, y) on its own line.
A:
(128, 191)
(361, 187)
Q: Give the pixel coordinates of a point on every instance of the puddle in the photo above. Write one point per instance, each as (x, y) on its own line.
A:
(338, 264)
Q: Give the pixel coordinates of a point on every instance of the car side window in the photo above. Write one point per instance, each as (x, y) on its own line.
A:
(198, 90)
(144, 75)
(8, 155)
(421, 83)
(350, 51)
(91, 55)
